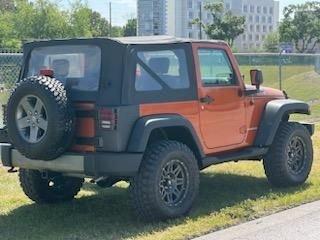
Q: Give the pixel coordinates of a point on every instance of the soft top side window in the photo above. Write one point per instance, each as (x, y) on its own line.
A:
(161, 70)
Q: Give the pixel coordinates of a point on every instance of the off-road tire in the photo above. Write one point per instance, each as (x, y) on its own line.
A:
(277, 162)
(38, 189)
(144, 187)
(60, 130)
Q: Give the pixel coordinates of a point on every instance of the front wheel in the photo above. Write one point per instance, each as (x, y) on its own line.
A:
(167, 183)
(289, 160)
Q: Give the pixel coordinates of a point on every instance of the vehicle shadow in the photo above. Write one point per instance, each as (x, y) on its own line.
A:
(107, 214)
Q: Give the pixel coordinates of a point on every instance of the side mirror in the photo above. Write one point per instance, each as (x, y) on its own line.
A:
(256, 78)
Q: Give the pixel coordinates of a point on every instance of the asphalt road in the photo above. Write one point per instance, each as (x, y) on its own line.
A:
(301, 223)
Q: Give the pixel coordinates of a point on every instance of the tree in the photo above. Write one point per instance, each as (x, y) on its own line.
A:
(39, 20)
(130, 29)
(99, 26)
(7, 36)
(224, 25)
(80, 19)
(45, 19)
(301, 25)
(116, 31)
(7, 5)
(271, 42)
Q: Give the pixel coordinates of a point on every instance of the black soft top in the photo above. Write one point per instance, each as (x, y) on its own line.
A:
(160, 40)
(116, 65)
(141, 40)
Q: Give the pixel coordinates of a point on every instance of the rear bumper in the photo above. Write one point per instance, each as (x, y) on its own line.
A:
(90, 165)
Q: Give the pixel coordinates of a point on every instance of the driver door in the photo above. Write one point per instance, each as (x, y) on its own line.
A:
(221, 99)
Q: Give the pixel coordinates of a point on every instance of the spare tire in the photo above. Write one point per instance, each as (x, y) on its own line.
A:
(40, 120)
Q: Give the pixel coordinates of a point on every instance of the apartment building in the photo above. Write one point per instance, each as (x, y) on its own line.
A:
(181, 13)
(262, 18)
(152, 17)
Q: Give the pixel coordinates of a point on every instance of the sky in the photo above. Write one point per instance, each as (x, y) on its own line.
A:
(121, 9)
(125, 9)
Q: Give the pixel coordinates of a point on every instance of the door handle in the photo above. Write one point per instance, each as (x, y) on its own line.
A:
(207, 100)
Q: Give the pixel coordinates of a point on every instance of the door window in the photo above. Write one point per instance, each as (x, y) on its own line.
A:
(215, 68)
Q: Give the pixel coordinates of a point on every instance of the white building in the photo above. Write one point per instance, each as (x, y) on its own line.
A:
(262, 17)
(152, 17)
(180, 15)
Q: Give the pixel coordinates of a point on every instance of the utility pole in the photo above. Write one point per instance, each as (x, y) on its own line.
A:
(200, 22)
(110, 19)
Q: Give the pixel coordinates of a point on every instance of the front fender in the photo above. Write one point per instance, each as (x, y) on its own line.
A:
(145, 125)
(274, 112)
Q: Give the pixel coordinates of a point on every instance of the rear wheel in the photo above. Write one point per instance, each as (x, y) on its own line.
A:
(290, 157)
(167, 183)
(53, 189)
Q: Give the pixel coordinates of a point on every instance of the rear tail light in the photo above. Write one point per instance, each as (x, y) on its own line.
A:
(108, 118)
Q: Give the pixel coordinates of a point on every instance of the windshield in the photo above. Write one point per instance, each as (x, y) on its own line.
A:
(78, 67)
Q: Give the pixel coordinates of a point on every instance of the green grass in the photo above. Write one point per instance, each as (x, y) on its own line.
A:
(229, 194)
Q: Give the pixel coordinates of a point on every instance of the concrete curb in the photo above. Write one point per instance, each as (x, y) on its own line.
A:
(298, 223)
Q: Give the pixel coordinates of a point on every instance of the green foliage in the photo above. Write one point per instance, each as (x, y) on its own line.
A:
(99, 26)
(301, 25)
(80, 19)
(224, 25)
(40, 20)
(7, 38)
(7, 5)
(271, 42)
(116, 31)
(21, 20)
(130, 29)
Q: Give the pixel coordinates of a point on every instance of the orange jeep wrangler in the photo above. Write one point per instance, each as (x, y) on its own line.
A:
(153, 111)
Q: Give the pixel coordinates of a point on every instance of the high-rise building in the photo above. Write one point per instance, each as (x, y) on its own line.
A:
(152, 17)
(181, 13)
(262, 17)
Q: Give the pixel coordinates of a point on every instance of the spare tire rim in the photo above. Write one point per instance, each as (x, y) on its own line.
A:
(174, 183)
(296, 155)
(32, 119)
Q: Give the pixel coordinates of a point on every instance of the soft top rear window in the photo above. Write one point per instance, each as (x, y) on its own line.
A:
(77, 66)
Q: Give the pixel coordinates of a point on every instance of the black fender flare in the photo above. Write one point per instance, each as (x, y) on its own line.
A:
(273, 114)
(144, 126)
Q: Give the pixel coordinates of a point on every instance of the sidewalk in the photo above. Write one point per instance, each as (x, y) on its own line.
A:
(301, 223)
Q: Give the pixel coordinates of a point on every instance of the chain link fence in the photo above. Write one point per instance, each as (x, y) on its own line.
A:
(10, 65)
(297, 74)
